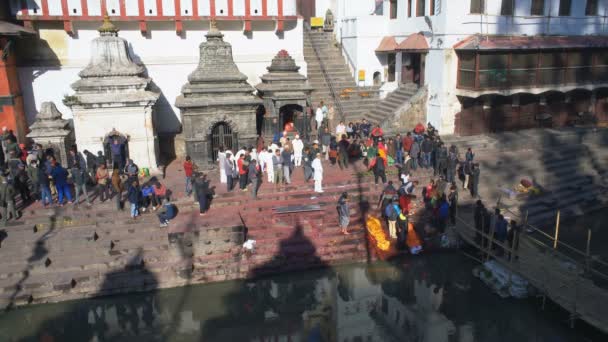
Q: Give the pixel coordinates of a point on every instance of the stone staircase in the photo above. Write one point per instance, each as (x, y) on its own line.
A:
(70, 252)
(570, 165)
(387, 107)
(356, 102)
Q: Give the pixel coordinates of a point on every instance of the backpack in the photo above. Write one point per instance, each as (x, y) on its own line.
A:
(392, 211)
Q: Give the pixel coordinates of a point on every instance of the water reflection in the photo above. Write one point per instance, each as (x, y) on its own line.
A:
(426, 299)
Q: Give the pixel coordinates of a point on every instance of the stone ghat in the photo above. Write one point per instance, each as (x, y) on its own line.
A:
(67, 253)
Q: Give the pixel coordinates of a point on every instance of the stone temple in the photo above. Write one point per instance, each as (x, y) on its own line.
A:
(217, 105)
(113, 100)
(286, 94)
(51, 130)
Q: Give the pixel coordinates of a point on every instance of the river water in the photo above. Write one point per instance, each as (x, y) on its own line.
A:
(430, 298)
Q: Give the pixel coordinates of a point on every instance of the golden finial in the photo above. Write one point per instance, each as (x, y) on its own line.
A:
(107, 26)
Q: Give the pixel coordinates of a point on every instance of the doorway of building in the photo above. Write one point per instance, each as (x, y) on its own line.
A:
(412, 69)
(377, 78)
(291, 119)
(222, 136)
(116, 148)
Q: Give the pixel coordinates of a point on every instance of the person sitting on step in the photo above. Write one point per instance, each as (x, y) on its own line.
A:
(166, 213)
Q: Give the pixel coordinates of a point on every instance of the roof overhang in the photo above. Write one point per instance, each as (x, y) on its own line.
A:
(10, 29)
(503, 43)
(415, 42)
(387, 45)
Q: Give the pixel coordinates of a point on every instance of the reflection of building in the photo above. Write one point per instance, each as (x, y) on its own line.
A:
(356, 298)
(489, 65)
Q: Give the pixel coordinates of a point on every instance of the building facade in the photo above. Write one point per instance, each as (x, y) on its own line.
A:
(489, 65)
(163, 36)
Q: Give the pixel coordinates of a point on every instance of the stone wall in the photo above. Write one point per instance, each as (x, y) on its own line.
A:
(411, 113)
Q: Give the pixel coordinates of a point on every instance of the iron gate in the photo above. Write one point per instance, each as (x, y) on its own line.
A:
(222, 135)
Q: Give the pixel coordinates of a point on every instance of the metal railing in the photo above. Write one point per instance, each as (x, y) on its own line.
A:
(532, 259)
(326, 75)
(587, 259)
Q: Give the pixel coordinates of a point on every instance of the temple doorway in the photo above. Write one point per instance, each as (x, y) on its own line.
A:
(412, 68)
(291, 119)
(222, 136)
(260, 112)
(116, 148)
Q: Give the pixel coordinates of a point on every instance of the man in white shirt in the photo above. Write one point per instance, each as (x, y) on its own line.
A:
(269, 165)
(298, 147)
(262, 160)
(318, 174)
(319, 117)
(340, 130)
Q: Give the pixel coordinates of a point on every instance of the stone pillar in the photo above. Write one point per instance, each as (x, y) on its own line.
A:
(515, 100)
(50, 130)
(592, 102)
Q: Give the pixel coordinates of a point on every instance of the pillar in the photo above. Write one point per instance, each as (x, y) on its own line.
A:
(592, 102)
(12, 114)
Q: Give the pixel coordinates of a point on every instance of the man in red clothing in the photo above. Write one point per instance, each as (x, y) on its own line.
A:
(377, 133)
(243, 166)
(189, 168)
(407, 143)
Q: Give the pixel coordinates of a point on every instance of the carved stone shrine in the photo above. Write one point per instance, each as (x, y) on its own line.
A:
(113, 97)
(286, 94)
(51, 131)
(217, 105)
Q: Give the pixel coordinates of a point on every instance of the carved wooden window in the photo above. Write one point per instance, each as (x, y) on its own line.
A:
(420, 8)
(393, 9)
(409, 8)
(477, 6)
(591, 7)
(565, 6)
(538, 7)
(506, 7)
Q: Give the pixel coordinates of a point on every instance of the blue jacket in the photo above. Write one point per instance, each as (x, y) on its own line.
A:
(60, 175)
(444, 210)
(147, 190)
(501, 230)
(170, 211)
(133, 194)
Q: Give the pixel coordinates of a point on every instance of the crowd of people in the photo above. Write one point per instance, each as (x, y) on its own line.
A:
(37, 175)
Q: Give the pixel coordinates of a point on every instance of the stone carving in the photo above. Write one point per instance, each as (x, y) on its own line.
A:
(216, 92)
(110, 55)
(113, 93)
(328, 25)
(51, 130)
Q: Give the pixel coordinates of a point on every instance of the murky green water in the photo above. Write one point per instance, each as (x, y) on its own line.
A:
(428, 298)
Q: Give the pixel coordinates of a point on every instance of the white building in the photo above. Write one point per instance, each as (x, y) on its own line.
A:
(400, 41)
(163, 35)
